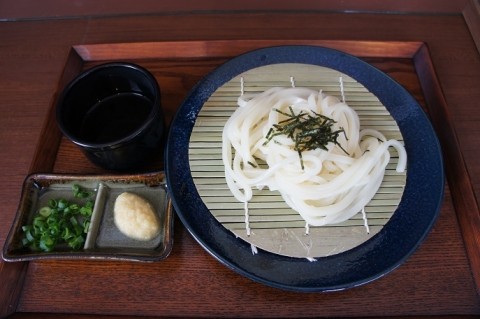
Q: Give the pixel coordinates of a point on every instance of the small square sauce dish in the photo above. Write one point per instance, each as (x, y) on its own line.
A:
(102, 238)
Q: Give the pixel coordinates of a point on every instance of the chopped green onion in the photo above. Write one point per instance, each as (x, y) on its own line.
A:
(52, 203)
(62, 203)
(61, 221)
(45, 211)
(79, 192)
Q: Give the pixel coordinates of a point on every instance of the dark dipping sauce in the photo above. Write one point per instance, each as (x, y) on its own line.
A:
(115, 117)
(112, 112)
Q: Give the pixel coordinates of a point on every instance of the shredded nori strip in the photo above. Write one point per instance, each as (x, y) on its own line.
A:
(308, 131)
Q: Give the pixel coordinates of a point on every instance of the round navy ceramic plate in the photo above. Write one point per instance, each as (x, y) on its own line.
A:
(398, 239)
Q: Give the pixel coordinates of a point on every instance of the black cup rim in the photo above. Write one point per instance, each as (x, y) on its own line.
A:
(124, 140)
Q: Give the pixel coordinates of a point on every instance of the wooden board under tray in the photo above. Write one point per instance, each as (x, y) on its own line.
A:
(177, 67)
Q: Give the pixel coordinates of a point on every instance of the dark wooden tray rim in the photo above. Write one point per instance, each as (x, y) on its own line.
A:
(457, 176)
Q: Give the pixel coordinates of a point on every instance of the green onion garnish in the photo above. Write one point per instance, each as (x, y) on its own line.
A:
(60, 222)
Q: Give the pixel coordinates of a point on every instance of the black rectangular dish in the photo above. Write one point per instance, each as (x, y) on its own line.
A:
(103, 240)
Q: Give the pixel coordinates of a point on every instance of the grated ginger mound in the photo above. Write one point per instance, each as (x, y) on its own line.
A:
(135, 217)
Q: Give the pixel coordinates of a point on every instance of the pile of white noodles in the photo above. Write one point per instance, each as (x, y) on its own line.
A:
(334, 185)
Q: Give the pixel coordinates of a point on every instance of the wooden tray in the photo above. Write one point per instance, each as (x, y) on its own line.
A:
(177, 67)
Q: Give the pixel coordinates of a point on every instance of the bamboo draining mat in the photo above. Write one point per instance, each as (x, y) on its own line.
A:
(275, 227)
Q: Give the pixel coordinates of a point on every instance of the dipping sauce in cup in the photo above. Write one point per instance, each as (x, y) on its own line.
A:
(113, 113)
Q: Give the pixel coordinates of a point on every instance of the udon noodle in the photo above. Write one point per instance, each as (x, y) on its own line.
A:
(325, 186)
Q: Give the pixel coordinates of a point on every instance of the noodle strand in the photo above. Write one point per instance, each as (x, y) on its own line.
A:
(334, 184)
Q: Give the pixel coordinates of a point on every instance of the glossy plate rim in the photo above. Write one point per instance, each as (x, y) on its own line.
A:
(399, 238)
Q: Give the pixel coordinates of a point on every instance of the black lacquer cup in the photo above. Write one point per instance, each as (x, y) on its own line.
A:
(112, 112)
